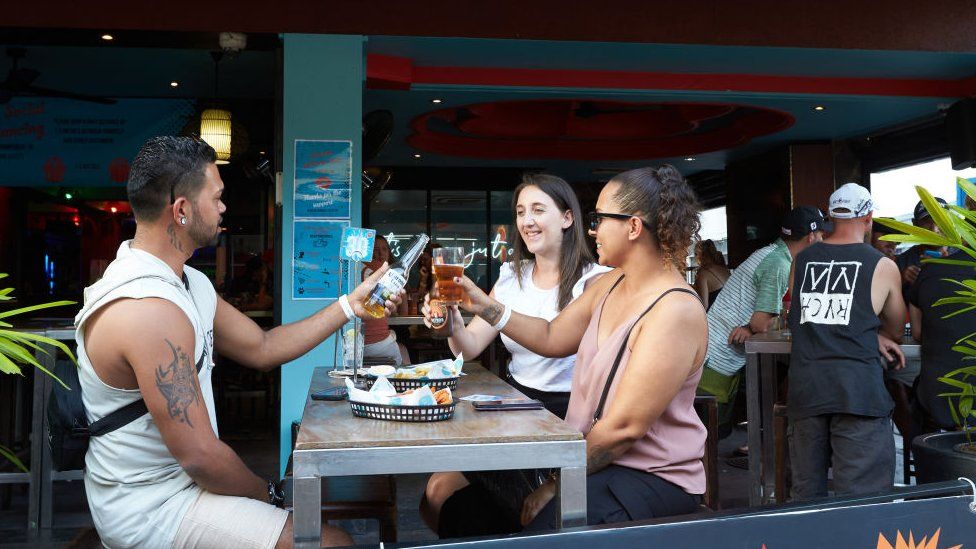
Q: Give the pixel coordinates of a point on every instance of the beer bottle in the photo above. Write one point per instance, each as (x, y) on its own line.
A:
(396, 278)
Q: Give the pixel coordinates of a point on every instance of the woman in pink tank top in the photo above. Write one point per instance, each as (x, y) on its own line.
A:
(644, 441)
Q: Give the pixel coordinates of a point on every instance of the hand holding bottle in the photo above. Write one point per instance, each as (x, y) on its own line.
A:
(359, 295)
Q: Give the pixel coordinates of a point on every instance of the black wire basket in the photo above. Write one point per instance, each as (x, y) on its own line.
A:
(404, 384)
(415, 414)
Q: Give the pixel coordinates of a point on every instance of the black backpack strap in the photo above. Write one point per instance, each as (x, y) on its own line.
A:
(623, 346)
(119, 418)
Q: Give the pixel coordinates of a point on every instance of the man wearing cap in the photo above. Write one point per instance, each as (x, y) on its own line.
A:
(885, 247)
(751, 298)
(845, 314)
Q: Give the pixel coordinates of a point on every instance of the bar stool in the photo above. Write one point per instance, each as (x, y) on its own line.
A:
(707, 408)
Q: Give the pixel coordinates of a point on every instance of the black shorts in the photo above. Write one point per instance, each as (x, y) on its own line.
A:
(557, 403)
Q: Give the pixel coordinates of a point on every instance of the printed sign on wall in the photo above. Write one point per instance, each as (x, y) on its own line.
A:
(315, 271)
(323, 175)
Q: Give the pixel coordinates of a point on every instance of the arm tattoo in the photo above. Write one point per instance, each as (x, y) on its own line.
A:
(598, 458)
(173, 239)
(179, 385)
(492, 313)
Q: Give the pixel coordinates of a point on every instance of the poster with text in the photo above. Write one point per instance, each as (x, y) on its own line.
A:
(323, 176)
(315, 263)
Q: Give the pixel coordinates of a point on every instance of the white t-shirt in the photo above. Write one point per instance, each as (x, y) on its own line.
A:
(136, 489)
(544, 374)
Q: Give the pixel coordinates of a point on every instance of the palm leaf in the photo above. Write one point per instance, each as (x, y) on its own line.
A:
(967, 187)
(8, 367)
(12, 457)
(32, 308)
(939, 214)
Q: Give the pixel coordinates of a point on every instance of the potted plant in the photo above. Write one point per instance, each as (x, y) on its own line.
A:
(17, 348)
(949, 455)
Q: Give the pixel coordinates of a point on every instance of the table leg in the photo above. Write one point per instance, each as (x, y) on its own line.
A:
(767, 395)
(753, 417)
(308, 512)
(571, 491)
(36, 454)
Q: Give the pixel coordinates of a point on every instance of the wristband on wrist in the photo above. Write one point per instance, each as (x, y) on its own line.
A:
(346, 307)
(504, 319)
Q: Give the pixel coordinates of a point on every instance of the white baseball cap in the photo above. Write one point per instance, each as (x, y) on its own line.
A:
(850, 201)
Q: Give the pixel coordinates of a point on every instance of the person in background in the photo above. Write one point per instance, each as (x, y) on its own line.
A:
(885, 247)
(645, 446)
(910, 261)
(379, 340)
(712, 272)
(551, 266)
(899, 382)
(937, 335)
(251, 292)
(749, 301)
(845, 315)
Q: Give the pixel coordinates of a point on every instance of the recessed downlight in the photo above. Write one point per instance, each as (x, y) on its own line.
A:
(416, 155)
(107, 37)
(174, 84)
(819, 108)
(436, 101)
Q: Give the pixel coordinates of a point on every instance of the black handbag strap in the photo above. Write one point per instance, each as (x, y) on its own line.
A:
(119, 418)
(623, 346)
(126, 414)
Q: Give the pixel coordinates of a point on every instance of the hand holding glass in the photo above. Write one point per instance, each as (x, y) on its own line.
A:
(448, 264)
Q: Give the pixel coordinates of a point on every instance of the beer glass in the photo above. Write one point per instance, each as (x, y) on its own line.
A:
(447, 264)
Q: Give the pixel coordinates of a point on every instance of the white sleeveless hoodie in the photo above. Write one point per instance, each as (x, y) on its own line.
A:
(137, 491)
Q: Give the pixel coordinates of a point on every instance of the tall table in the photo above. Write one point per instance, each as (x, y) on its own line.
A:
(41, 475)
(333, 442)
(760, 396)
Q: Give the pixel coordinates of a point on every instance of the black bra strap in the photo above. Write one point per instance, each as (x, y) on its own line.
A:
(623, 346)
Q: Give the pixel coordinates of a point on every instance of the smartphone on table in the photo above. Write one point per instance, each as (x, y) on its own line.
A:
(332, 393)
(508, 404)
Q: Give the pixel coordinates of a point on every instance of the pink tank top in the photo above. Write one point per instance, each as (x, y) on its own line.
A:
(674, 444)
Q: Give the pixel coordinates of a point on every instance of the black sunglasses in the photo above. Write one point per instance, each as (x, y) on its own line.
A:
(595, 218)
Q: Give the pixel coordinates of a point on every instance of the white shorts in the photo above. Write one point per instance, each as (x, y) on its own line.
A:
(215, 521)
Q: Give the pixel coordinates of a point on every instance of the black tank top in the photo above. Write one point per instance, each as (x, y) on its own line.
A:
(835, 366)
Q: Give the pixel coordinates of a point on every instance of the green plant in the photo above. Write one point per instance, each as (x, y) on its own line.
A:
(16, 347)
(957, 229)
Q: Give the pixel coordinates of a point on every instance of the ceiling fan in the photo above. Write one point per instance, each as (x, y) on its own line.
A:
(19, 83)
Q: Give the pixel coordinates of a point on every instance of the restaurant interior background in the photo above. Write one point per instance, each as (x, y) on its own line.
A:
(442, 129)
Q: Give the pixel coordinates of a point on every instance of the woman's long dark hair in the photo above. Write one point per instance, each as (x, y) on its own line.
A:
(574, 255)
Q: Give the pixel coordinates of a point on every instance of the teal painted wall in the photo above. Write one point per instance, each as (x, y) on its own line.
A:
(323, 99)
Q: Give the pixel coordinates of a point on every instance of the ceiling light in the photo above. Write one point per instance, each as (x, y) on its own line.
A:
(113, 209)
(108, 37)
(435, 100)
(416, 156)
(689, 159)
(174, 84)
(819, 108)
(68, 196)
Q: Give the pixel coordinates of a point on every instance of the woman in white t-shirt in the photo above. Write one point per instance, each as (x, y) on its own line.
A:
(551, 265)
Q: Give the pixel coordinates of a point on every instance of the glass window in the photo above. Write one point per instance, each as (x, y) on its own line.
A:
(501, 229)
(459, 218)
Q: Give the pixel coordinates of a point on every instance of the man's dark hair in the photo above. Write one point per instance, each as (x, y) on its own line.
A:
(166, 167)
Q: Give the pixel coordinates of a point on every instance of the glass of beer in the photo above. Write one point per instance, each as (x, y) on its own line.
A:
(448, 263)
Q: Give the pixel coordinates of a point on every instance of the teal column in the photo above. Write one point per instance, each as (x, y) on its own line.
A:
(323, 99)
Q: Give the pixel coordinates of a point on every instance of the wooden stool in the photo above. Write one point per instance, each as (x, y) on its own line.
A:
(780, 420)
(707, 408)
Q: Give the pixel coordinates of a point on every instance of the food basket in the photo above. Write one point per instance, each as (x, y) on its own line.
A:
(391, 412)
(407, 384)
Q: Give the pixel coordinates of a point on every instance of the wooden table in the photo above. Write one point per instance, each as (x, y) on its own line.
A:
(761, 395)
(333, 442)
(414, 320)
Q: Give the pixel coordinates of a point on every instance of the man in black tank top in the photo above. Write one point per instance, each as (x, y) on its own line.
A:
(846, 309)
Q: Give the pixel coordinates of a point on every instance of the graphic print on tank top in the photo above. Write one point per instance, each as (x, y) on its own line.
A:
(827, 292)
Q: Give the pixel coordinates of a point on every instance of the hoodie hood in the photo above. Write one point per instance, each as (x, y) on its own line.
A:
(129, 265)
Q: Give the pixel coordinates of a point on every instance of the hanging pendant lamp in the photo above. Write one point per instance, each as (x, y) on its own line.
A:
(215, 123)
(216, 130)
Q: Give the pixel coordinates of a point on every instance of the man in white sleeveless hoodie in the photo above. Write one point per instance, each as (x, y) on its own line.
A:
(148, 329)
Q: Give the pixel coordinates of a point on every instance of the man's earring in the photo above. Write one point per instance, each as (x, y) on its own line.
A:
(182, 221)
